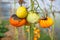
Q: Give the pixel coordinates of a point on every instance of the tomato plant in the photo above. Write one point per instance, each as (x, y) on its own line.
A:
(31, 17)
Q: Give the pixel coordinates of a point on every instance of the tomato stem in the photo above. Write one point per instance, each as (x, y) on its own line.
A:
(20, 2)
(16, 33)
(54, 20)
(32, 5)
(53, 32)
(14, 6)
(16, 30)
(32, 25)
(50, 33)
(39, 6)
(32, 31)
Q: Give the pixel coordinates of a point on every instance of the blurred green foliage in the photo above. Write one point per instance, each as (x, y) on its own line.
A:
(44, 36)
(3, 29)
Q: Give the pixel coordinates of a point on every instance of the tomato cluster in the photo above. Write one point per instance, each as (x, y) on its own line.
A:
(22, 17)
(18, 19)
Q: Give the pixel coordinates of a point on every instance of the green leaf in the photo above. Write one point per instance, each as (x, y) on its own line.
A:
(4, 30)
(44, 36)
(0, 26)
(2, 35)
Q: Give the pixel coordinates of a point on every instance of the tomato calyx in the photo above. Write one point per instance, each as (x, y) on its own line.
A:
(16, 18)
(21, 2)
(44, 18)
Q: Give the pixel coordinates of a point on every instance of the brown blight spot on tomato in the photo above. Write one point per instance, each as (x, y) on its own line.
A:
(17, 22)
(46, 23)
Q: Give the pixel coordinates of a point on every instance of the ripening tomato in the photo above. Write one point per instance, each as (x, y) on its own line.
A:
(32, 17)
(21, 12)
(17, 22)
(46, 23)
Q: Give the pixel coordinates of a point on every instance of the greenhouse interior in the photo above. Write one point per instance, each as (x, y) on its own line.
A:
(29, 20)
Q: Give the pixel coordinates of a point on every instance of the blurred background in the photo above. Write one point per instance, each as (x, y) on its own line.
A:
(7, 8)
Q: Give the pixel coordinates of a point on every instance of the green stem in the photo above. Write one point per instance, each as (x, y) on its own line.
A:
(26, 33)
(50, 33)
(32, 31)
(51, 7)
(14, 3)
(16, 30)
(39, 6)
(45, 11)
(16, 34)
(54, 21)
(23, 32)
(53, 32)
(14, 6)
(32, 5)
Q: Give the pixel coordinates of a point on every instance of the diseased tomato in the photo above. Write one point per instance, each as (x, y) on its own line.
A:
(17, 22)
(46, 23)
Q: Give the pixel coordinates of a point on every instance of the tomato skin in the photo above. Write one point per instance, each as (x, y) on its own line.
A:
(16, 22)
(22, 22)
(32, 17)
(46, 23)
(13, 22)
(21, 12)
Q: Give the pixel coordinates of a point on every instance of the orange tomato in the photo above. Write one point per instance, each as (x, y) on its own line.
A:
(35, 38)
(17, 22)
(46, 23)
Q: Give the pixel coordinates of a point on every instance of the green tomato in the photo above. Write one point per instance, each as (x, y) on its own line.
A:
(32, 17)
